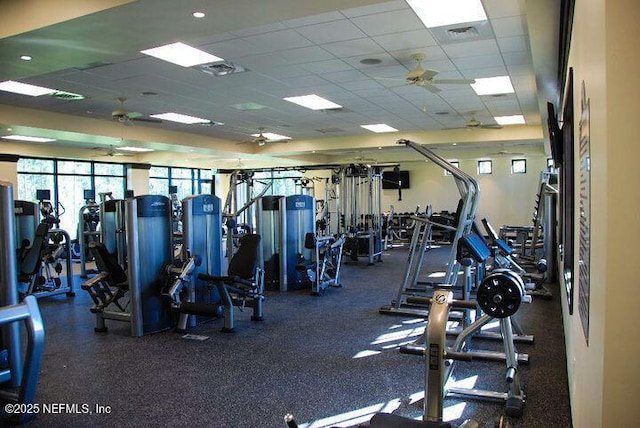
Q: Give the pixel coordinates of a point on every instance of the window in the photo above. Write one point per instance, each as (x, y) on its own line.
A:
(67, 180)
(454, 163)
(519, 166)
(485, 167)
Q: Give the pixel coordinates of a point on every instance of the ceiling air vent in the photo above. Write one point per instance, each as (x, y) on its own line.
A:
(463, 33)
(220, 68)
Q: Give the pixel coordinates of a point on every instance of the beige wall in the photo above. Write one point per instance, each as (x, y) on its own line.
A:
(9, 172)
(504, 198)
(604, 375)
(138, 181)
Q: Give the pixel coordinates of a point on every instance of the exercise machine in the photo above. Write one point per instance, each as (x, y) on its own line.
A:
(19, 372)
(285, 222)
(243, 286)
(194, 299)
(324, 269)
(88, 221)
(422, 235)
(40, 261)
(149, 251)
(360, 211)
(113, 229)
(499, 296)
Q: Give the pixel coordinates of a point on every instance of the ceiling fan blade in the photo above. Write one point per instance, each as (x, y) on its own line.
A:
(454, 81)
(146, 119)
(429, 74)
(431, 88)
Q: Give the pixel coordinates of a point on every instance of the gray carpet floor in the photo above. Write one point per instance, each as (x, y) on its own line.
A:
(331, 360)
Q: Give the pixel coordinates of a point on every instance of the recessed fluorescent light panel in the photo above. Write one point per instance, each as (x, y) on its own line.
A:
(28, 138)
(437, 13)
(313, 102)
(181, 54)
(180, 118)
(134, 149)
(270, 136)
(24, 88)
(493, 85)
(379, 128)
(516, 119)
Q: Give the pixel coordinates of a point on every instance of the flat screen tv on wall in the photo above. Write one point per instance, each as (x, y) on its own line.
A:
(390, 179)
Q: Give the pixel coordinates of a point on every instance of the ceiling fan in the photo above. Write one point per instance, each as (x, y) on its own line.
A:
(261, 139)
(110, 152)
(121, 115)
(426, 77)
(473, 123)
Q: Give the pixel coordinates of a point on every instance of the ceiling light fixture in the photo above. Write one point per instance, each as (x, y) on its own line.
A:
(180, 118)
(438, 13)
(379, 128)
(28, 138)
(181, 54)
(26, 57)
(313, 102)
(516, 119)
(134, 149)
(198, 14)
(493, 85)
(24, 88)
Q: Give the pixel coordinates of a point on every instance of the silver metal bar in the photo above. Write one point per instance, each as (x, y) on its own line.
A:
(9, 280)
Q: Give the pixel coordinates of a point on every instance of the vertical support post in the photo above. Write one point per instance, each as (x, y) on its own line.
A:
(133, 251)
(10, 334)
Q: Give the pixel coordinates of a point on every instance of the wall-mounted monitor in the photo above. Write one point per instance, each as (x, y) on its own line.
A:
(391, 179)
(43, 194)
(555, 136)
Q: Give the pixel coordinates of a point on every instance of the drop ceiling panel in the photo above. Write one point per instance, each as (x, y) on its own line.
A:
(475, 62)
(305, 55)
(375, 8)
(388, 22)
(278, 41)
(327, 66)
(314, 19)
(231, 49)
(471, 49)
(262, 29)
(517, 58)
(509, 27)
(344, 76)
(353, 48)
(513, 44)
(360, 85)
(503, 8)
(328, 32)
(476, 73)
(402, 40)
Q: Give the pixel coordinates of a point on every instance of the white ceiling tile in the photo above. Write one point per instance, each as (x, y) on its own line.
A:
(414, 39)
(232, 48)
(328, 66)
(375, 8)
(305, 55)
(285, 71)
(503, 8)
(328, 32)
(509, 27)
(360, 84)
(517, 58)
(314, 19)
(395, 72)
(513, 44)
(259, 30)
(278, 41)
(344, 76)
(388, 22)
(474, 62)
(474, 48)
(477, 73)
(432, 53)
(353, 48)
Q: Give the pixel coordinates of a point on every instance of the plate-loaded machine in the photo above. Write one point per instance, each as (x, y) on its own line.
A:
(18, 375)
(149, 251)
(465, 216)
(502, 294)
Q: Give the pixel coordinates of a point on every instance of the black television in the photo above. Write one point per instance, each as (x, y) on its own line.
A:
(555, 136)
(391, 179)
(43, 194)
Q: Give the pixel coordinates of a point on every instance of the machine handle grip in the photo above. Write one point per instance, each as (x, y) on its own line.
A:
(210, 278)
